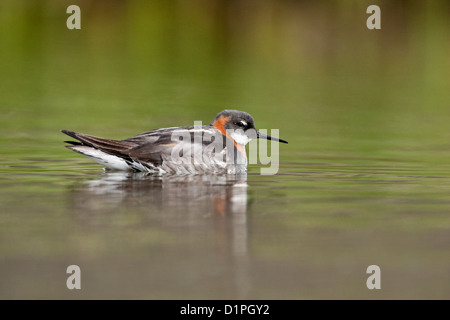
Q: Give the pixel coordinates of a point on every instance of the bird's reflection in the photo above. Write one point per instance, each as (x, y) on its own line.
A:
(197, 221)
(218, 194)
(191, 201)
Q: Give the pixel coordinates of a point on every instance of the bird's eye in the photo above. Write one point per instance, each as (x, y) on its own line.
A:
(240, 124)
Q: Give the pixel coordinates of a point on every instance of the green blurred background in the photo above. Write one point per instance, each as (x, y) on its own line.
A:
(365, 178)
(312, 69)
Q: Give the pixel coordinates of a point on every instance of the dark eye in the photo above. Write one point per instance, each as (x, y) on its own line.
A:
(240, 124)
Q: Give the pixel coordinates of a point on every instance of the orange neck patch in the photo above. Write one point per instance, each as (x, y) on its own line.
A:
(219, 124)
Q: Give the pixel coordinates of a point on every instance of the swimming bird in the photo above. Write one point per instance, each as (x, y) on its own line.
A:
(215, 148)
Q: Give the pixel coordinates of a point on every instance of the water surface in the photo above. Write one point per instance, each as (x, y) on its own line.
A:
(309, 232)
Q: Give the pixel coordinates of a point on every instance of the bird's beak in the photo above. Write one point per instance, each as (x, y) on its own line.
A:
(260, 135)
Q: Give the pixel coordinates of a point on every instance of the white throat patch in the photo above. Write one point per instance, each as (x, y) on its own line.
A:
(240, 137)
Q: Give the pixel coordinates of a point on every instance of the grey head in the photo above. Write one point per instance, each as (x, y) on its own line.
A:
(242, 126)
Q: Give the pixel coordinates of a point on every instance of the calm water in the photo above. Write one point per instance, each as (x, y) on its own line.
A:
(309, 232)
(364, 180)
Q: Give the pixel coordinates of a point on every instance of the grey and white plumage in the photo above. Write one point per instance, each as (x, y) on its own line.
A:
(153, 151)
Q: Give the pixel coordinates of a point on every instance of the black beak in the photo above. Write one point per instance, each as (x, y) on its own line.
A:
(265, 136)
